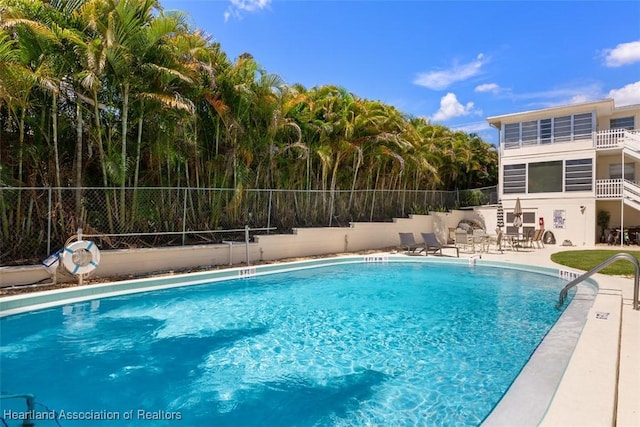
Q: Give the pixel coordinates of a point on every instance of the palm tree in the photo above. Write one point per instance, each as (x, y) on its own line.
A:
(124, 71)
(126, 48)
(9, 66)
(27, 70)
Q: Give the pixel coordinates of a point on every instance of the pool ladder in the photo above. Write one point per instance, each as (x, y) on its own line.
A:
(633, 260)
(31, 406)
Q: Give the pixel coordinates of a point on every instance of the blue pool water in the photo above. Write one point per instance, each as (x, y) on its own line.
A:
(358, 344)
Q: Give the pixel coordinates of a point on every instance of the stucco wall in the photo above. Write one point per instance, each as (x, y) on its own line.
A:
(579, 225)
(575, 149)
(604, 162)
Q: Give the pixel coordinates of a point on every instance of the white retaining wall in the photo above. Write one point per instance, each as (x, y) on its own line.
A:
(303, 242)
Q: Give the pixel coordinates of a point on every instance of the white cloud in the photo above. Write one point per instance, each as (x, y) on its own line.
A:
(450, 107)
(580, 98)
(488, 87)
(438, 80)
(623, 54)
(627, 95)
(238, 6)
(586, 91)
(562, 95)
(474, 127)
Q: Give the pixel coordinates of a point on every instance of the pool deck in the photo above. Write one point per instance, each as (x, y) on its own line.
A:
(601, 385)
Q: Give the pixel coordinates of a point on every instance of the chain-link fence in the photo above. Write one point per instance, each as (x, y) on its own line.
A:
(38, 221)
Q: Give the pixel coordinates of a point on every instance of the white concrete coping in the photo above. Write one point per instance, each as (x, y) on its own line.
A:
(587, 394)
(529, 396)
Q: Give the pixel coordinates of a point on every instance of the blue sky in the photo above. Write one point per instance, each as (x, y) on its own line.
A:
(454, 62)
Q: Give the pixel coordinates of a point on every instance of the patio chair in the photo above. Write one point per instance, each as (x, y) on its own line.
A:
(526, 240)
(409, 243)
(497, 241)
(451, 235)
(480, 238)
(462, 239)
(431, 243)
(537, 238)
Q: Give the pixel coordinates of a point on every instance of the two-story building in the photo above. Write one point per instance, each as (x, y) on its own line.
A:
(566, 164)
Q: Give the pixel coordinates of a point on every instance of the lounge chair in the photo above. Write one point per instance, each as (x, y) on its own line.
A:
(431, 243)
(409, 243)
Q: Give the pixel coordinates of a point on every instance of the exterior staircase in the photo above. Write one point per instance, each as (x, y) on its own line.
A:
(629, 142)
(631, 194)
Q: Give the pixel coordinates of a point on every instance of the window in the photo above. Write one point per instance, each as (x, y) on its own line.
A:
(615, 171)
(578, 175)
(514, 179)
(530, 132)
(545, 131)
(562, 129)
(528, 223)
(622, 123)
(555, 176)
(582, 126)
(558, 129)
(545, 177)
(512, 135)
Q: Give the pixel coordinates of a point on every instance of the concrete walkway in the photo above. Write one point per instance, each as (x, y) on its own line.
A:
(601, 385)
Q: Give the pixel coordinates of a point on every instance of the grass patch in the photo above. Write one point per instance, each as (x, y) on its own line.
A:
(586, 260)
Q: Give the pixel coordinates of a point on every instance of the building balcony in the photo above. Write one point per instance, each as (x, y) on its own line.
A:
(617, 189)
(608, 189)
(616, 139)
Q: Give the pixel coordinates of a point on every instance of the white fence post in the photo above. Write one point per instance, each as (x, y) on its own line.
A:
(246, 244)
(184, 216)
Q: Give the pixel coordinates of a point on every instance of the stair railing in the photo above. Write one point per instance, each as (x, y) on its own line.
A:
(620, 256)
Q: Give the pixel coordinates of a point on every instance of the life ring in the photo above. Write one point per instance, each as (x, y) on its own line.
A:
(81, 257)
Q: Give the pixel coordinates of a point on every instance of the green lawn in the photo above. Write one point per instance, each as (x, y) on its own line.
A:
(586, 260)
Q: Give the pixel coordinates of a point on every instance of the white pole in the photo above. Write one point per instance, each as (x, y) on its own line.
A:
(246, 242)
(622, 202)
(80, 276)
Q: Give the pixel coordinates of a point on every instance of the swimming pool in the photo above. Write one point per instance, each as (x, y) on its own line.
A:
(356, 344)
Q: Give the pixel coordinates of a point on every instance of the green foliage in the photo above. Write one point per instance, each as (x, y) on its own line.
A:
(105, 93)
(473, 198)
(586, 260)
(603, 219)
(419, 210)
(195, 105)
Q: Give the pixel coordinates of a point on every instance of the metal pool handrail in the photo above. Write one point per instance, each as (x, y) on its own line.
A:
(30, 400)
(633, 260)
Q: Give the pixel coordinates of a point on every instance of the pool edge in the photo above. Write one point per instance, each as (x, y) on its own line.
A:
(10, 305)
(16, 304)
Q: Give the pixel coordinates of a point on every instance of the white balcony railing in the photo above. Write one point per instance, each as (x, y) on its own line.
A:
(608, 188)
(617, 138)
(617, 189)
